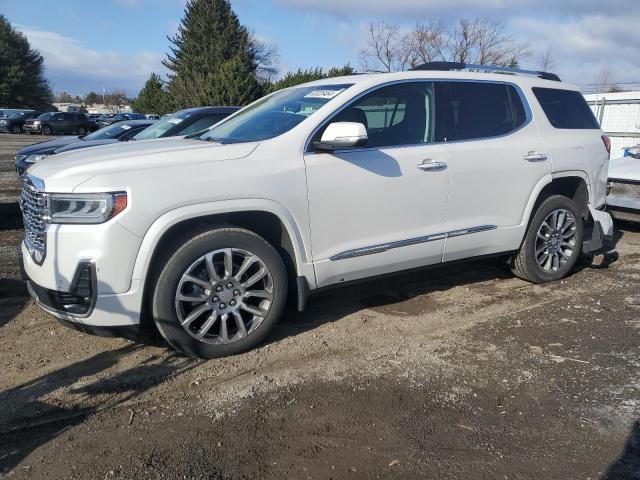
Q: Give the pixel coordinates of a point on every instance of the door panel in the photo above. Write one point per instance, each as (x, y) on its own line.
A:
(496, 159)
(380, 209)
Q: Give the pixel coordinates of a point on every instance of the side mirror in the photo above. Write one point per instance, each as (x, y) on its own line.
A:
(339, 135)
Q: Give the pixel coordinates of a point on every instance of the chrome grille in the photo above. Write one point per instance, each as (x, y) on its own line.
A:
(33, 203)
(624, 189)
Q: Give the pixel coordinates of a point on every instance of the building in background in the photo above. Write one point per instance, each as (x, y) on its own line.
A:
(619, 117)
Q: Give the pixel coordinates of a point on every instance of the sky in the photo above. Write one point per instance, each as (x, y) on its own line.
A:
(116, 44)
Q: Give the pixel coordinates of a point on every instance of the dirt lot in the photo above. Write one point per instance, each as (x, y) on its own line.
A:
(455, 372)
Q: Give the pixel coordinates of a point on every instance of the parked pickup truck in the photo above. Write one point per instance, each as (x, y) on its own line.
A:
(333, 181)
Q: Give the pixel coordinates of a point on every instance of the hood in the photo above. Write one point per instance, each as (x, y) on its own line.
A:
(67, 170)
(625, 168)
(85, 144)
(48, 146)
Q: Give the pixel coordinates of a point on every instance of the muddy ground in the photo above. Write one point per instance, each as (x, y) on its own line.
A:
(455, 372)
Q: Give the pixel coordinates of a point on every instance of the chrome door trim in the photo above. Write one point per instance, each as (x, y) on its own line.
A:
(383, 247)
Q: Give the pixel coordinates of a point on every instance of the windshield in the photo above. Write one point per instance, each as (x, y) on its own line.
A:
(159, 128)
(45, 116)
(16, 115)
(112, 131)
(273, 115)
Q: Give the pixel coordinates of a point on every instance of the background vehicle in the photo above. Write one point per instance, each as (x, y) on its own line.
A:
(93, 121)
(119, 117)
(186, 122)
(623, 189)
(316, 185)
(14, 122)
(152, 116)
(58, 122)
(121, 131)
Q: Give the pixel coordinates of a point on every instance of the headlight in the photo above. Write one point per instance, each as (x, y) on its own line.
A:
(37, 122)
(34, 158)
(85, 207)
(3, 122)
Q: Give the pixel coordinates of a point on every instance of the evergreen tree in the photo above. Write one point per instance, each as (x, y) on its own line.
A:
(22, 82)
(91, 98)
(152, 98)
(302, 76)
(213, 59)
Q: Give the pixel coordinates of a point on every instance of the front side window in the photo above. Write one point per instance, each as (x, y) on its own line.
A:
(566, 109)
(112, 131)
(274, 115)
(477, 110)
(167, 123)
(395, 115)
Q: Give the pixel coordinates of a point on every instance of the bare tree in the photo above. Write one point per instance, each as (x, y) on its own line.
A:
(469, 41)
(547, 61)
(481, 41)
(425, 43)
(383, 49)
(604, 82)
(267, 56)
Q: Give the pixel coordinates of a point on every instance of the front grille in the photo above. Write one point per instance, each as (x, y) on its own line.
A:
(34, 207)
(624, 189)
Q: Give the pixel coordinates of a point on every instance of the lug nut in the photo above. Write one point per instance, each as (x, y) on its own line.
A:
(236, 292)
(216, 299)
(222, 306)
(232, 303)
(229, 285)
(218, 288)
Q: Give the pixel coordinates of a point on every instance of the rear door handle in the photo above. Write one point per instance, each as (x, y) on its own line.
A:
(431, 165)
(535, 157)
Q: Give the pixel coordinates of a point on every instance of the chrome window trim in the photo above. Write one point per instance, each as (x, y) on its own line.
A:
(523, 99)
(383, 247)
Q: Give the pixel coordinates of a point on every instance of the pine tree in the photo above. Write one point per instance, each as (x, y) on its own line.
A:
(213, 59)
(152, 98)
(302, 76)
(22, 81)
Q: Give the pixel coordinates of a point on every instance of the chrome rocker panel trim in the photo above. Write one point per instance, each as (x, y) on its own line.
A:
(383, 247)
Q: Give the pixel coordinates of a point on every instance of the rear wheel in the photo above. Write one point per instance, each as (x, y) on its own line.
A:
(552, 243)
(47, 130)
(81, 131)
(220, 293)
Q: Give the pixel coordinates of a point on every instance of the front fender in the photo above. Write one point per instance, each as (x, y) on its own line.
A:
(171, 218)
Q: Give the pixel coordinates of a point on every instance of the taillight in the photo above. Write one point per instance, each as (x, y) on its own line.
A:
(607, 143)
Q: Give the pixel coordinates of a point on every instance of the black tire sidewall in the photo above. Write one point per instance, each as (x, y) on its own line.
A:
(47, 130)
(546, 207)
(16, 129)
(163, 307)
(81, 131)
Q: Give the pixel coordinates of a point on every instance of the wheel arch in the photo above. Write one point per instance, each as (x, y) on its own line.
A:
(265, 218)
(572, 184)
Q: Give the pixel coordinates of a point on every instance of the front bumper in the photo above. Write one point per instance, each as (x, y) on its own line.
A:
(623, 208)
(32, 128)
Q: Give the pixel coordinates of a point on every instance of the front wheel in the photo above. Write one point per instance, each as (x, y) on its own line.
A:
(219, 293)
(81, 131)
(46, 130)
(552, 243)
(16, 129)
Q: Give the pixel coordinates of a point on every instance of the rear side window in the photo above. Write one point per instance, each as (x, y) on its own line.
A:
(475, 110)
(566, 109)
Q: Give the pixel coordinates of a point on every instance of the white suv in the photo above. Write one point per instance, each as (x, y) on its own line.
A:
(319, 184)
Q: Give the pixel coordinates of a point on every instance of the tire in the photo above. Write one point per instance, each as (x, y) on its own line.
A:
(47, 130)
(224, 297)
(558, 246)
(81, 131)
(16, 129)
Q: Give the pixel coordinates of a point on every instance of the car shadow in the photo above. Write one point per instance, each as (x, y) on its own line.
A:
(335, 303)
(29, 418)
(627, 466)
(13, 299)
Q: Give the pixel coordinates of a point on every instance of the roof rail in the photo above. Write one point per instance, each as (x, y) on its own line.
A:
(448, 66)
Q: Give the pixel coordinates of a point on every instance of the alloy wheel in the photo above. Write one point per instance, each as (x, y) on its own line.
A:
(556, 240)
(224, 296)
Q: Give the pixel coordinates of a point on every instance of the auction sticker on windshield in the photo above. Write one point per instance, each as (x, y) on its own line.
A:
(324, 93)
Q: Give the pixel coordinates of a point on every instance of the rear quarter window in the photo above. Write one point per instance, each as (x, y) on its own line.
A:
(566, 109)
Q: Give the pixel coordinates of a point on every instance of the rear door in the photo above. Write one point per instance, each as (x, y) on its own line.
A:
(497, 159)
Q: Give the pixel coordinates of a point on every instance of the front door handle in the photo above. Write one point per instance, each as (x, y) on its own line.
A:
(535, 157)
(431, 165)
